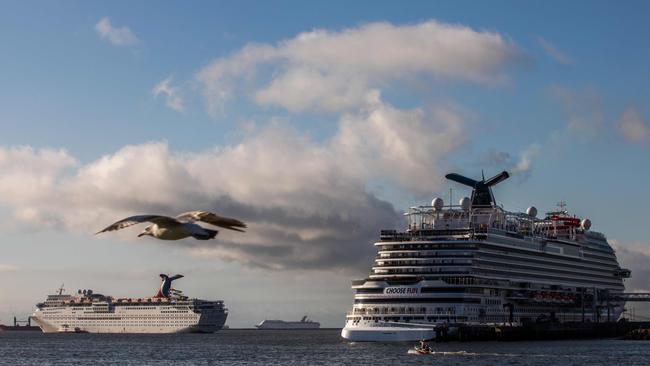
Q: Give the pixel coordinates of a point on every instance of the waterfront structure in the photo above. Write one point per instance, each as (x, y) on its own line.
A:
(476, 263)
(304, 323)
(169, 311)
(19, 326)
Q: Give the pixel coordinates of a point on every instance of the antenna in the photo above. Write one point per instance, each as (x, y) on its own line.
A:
(61, 289)
(561, 205)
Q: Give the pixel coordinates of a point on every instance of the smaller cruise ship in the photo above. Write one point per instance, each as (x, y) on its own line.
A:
(169, 311)
(304, 323)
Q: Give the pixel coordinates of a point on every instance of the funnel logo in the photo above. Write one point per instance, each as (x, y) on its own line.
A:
(166, 284)
(482, 193)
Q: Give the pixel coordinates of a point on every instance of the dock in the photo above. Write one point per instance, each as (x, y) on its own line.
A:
(544, 331)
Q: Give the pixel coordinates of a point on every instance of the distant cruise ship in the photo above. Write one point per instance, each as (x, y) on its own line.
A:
(169, 311)
(477, 263)
(304, 323)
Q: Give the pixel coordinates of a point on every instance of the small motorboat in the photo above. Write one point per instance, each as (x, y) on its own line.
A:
(423, 350)
(428, 351)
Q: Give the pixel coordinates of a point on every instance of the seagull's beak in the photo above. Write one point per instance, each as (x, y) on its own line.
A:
(141, 234)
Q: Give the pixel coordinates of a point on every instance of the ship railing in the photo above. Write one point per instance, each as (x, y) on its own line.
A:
(398, 313)
(428, 221)
(422, 219)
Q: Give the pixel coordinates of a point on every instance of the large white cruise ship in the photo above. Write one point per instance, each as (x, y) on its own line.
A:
(304, 323)
(477, 263)
(169, 311)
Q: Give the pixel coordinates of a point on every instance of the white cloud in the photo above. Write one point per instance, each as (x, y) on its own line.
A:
(306, 202)
(336, 71)
(401, 146)
(303, 89)
(117, 36)
(173, 98)
(28, 175)
(633, 127)
(553, 52)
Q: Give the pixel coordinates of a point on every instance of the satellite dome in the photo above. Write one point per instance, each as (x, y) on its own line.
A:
(586, 224)
(531, 211)
(464, 203)
(437, 203)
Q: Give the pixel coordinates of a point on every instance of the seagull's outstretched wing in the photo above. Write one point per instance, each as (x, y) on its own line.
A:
(129, 221)
(212, 219)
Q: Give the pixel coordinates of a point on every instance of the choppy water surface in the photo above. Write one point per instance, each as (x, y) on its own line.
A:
(323, 347)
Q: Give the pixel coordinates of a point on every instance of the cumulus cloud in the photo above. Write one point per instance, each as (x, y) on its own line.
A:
(553, 52)
(29, 176)
(173, 98)
(632, 127)
(307, 202)
(121, 36)
(335, 71)
(305, 208)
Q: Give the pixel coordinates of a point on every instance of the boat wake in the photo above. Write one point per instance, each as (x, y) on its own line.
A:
(459, 353)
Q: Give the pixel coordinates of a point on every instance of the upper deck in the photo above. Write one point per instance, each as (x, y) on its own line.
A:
(464, 222)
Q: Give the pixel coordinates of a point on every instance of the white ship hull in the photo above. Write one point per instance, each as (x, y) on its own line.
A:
(284, 325)
(135, 325)
(386, 334)
(129, 319)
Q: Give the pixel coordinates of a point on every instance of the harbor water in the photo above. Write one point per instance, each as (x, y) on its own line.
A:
(304, 347)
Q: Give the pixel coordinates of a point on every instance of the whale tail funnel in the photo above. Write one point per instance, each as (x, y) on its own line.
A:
(482, 192)
(166, 285)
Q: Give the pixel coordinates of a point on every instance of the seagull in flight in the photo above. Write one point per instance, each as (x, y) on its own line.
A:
(179, 227)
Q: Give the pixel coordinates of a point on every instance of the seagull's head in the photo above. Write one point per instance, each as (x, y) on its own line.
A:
(146, 231)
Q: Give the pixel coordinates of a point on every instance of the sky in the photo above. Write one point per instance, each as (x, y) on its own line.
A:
(317, 123)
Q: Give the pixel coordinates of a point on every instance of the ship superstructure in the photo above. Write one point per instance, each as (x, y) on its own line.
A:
(169, 311)
(304, 323)
(477, 263)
